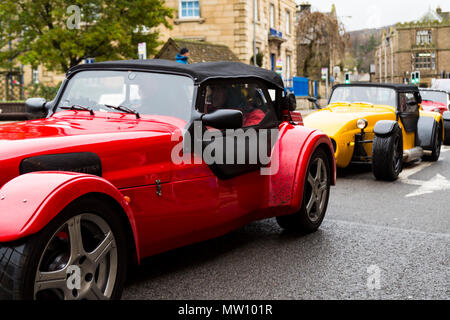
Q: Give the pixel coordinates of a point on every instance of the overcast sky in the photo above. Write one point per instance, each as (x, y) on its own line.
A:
(377, 13)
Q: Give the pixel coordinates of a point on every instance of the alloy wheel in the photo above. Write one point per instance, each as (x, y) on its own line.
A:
(318, 185)
(79, 262)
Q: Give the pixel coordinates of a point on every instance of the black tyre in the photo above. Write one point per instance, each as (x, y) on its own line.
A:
(447, 133)
(387, 155)
(437, 143)
(315, 197)
(81, 254)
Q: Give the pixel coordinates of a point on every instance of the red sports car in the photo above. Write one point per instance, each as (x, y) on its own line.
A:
(135, 158)
(435, 100)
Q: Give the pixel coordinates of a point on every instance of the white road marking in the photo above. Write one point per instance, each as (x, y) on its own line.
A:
(415, 168)
(437, 183)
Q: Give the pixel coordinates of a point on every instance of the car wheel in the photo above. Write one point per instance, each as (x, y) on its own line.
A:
(79, 255)
(316, 193)
(387, 155)
(437, 143)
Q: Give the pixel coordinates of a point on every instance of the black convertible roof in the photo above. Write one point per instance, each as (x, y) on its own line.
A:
(396, 86)
(200, 72)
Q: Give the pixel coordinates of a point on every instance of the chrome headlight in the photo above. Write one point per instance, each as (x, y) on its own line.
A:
(362, 124)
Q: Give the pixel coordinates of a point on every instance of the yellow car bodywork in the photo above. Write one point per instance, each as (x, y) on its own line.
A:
(338, 121)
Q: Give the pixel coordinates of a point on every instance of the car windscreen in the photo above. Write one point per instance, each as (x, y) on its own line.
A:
(434, 96)
(144, 92)
(364, 94)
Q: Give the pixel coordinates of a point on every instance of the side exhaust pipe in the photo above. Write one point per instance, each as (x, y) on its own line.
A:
(412, 154)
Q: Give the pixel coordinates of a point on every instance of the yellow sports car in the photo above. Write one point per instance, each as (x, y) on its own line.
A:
(381, 124)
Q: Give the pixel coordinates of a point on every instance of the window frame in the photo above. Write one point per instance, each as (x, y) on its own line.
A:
(425, 60)
(288, 65)
(272, 16)
(266, 122)
(422, 35)
(288, 22)
(35, 76)
(180, 9)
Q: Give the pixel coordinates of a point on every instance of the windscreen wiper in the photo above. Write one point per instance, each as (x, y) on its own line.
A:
(124, 109)
(79, 108)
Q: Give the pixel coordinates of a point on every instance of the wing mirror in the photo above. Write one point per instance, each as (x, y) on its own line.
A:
(290, 102)
(224, 119)
(314, 101)
(36, 106)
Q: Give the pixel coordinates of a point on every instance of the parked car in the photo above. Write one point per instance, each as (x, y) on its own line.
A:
(379, 124)
(99, 183)
(441, 84)
(435, 100)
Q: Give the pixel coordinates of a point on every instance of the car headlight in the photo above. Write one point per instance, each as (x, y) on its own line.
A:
(362, 124)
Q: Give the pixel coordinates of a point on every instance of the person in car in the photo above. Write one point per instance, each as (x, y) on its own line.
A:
(232, 97)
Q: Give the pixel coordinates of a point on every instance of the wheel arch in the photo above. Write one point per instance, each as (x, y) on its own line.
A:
(426, 128)
(105, 198)
(48, 193)
(315, 141)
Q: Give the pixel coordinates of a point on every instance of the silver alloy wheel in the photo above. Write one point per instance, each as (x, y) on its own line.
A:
(318, 181)
(85, 245)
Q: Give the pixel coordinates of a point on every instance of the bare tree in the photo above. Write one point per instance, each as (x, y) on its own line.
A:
(321, 41)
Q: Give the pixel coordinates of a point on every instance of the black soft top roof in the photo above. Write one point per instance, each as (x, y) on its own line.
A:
(396, 86)
(200, 72)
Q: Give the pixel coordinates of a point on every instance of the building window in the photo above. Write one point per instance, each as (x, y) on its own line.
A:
(272, 16)
(189, 9)
(425, 60)
(256, 4)
(288, 22)
(288, 67)
(35, 76)
(423, 37)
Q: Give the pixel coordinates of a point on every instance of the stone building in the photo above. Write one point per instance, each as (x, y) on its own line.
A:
(318, 49)
(422, 45)
(200, 51)
(232, 23)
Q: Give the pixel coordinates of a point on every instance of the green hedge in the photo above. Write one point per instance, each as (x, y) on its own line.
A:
(42, 91)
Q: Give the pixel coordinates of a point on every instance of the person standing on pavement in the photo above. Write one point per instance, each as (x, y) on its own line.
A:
(183, 56)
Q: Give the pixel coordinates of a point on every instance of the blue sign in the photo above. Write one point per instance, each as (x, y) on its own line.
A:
(276, 33)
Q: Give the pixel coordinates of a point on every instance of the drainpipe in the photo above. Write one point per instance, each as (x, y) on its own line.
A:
(255, 7)
(392, 59)
(381, 70)
(385, 60)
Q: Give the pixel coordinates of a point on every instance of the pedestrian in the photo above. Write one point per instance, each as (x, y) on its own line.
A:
(183, 56)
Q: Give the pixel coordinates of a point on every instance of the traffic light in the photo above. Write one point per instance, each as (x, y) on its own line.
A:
(347, 78)
(415, 77)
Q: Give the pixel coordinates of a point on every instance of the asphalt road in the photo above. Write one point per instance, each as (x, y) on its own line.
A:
(400, 229)
(379, 241)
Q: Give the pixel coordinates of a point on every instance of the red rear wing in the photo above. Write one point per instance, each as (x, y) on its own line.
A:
(297, 117)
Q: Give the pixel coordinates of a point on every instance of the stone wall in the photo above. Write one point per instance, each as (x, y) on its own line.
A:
(230, 22)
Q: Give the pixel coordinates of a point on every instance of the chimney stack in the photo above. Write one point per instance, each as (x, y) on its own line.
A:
(305, 7)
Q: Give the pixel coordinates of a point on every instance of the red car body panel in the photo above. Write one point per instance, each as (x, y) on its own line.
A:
(297, 117)
(434, 106)
(194, 204)
(48, 193)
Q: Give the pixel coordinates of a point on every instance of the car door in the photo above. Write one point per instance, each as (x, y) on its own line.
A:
(248, 148)
(408, 110)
